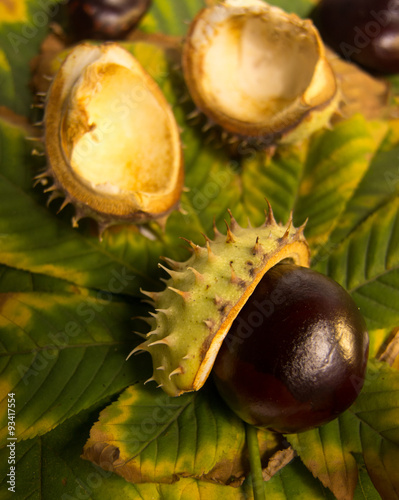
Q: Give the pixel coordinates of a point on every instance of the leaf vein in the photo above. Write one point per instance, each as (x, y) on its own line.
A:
(162, 428)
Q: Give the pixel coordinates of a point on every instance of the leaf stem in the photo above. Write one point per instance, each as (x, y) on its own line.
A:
(254, 460)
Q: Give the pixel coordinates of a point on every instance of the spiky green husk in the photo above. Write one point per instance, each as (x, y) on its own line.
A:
(205, 294)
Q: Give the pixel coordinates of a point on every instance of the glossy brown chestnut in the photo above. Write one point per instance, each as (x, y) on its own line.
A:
(362, 31)
(296, 355)
(105, 19)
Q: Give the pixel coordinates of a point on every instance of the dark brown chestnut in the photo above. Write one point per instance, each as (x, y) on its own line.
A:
(296, 355)
(362, 31)
(105, 19)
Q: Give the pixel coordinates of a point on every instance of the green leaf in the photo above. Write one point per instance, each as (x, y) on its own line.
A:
(379, 186)
(378, 338)
(15, 280)
(7, 92)
(50, 467)
(276, 178)
(295, 482)
(336, 162)
(171, 18)
(369, 427)
(23, 25)
(326, 452)
(367, 265)
(71, 348)
(377, 409)
(147, 436)
(365, 489)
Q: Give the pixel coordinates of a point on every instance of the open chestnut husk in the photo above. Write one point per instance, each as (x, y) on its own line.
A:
(295, 357)
(259, 73)
(111, 139)
(204, 295)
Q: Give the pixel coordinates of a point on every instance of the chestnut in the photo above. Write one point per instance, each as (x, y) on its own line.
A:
(295, 357)
(362, 31)
(105, 19)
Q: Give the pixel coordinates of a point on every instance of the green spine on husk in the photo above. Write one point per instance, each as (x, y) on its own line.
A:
(205, 294)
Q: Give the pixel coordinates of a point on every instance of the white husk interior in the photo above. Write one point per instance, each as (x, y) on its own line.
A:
(120, 134)
(259, 72)
(262, 70)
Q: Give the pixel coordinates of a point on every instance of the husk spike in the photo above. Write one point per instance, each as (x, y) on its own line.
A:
(178, 371)
(230, 236)
(184, 295)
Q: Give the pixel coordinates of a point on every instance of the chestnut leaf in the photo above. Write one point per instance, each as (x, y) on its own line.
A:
(22, 29)
(378, 187)
(366, 263)
(52, 468)
(336, 162)
(147, 436)
(370, 427)
(61, 352)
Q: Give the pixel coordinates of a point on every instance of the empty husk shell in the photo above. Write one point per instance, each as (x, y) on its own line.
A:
(112, 143)
(259, 72)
